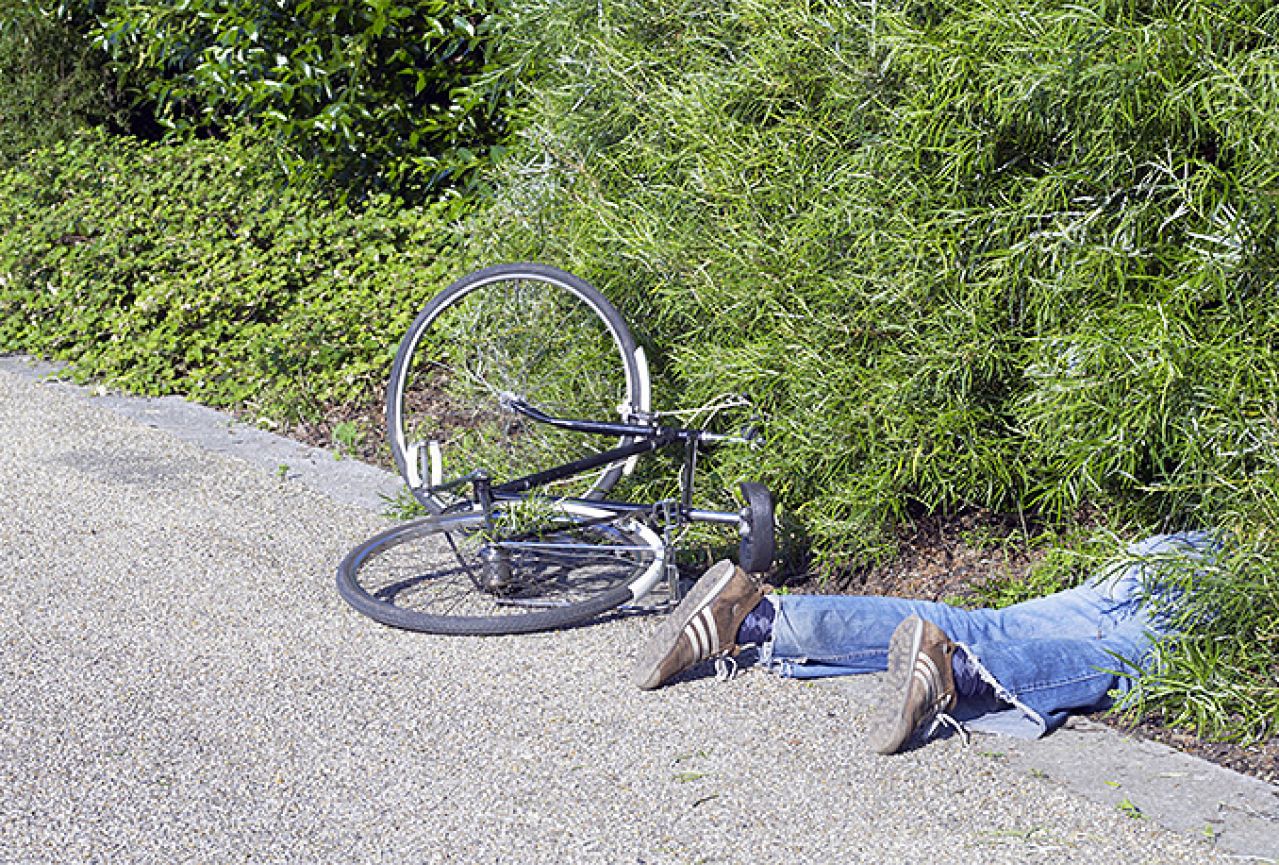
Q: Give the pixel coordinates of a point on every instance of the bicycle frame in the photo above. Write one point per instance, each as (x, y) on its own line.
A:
(648, 437)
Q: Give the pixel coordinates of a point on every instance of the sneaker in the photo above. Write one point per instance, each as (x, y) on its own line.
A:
(920, 688)
(704, 625)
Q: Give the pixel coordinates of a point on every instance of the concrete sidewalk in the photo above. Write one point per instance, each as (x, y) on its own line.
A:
(180, 682)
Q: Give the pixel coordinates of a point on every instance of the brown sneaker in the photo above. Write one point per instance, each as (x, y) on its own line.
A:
(704, 625)
(920, 687)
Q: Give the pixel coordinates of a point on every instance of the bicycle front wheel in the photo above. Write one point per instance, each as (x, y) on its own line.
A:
(512, 332)
(514, 573)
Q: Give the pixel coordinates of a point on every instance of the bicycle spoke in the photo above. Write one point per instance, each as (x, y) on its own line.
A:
(446, 573)
(524, 329)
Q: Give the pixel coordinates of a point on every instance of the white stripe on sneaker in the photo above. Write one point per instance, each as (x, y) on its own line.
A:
(702, 634)
(696, 637)
(927, 670)
(707, 635)
(699, 628)
(711, 629)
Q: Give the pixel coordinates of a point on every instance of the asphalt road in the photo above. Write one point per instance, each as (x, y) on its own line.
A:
(179, 682)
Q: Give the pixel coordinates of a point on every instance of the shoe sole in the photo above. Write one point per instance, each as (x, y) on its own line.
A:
(659, 645)
(891, 727)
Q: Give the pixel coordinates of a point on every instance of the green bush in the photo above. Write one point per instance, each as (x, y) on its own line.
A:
(192, 269)
(1018, 254)
(1012, 254)
(381, 95)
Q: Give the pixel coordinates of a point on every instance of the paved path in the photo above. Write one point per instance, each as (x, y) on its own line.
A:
(179, 682)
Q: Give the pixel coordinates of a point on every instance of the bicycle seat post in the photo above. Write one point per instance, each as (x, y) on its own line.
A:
(495, 561)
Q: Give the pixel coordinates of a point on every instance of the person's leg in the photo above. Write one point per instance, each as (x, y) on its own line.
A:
(1048, 679)
(836, 635)
(830, 635)
(1045, 657)
(1069, 651)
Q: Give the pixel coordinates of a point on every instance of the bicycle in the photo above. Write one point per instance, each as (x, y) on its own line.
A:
(517, 399)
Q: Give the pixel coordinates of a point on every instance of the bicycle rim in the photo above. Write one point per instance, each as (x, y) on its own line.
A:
(431, 574)
(523, 331)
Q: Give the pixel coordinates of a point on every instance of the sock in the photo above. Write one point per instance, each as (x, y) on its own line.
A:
(968, 680)
(757, 627)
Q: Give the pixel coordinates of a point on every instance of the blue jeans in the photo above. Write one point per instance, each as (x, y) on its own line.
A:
(1044, 658)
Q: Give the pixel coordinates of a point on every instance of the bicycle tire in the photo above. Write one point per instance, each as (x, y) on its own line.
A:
(522, 329)
(423, 575)
(758, 547)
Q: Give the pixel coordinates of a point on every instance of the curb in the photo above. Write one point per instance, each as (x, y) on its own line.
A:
(348, 481)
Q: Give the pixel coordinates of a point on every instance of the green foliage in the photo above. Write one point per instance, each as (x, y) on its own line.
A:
(346, 437)
(1017, 254)
(52, 80)
(1221, 677)
(1064, 559)
(381, 95)
(189, 269)
(1009, 254)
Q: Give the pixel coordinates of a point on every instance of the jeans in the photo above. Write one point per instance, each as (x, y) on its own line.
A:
(1044, 658)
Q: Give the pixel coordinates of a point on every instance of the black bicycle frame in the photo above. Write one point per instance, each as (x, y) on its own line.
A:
(650, 438)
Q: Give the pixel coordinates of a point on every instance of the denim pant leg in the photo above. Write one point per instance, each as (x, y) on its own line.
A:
(1048, 678)
(1043, 657)
(837, 635)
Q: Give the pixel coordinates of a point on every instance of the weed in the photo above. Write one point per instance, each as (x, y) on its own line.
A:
(347, 437)
(402, 505)
(1127, 808)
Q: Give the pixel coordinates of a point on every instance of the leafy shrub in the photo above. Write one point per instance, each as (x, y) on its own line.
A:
(382, 95)
(1006, 254)
(192, 269)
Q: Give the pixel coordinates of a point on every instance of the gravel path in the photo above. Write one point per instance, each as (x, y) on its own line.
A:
(180, 682)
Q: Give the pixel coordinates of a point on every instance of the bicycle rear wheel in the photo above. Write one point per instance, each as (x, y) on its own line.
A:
(522, 331)
(459, 574)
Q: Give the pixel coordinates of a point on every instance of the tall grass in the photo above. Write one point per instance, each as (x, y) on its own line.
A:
(1011, 253)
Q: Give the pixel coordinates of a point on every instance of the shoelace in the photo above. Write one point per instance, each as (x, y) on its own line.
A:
(944, 719)
(725, 668)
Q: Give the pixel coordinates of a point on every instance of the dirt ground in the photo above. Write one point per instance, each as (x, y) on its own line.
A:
(936, 561)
